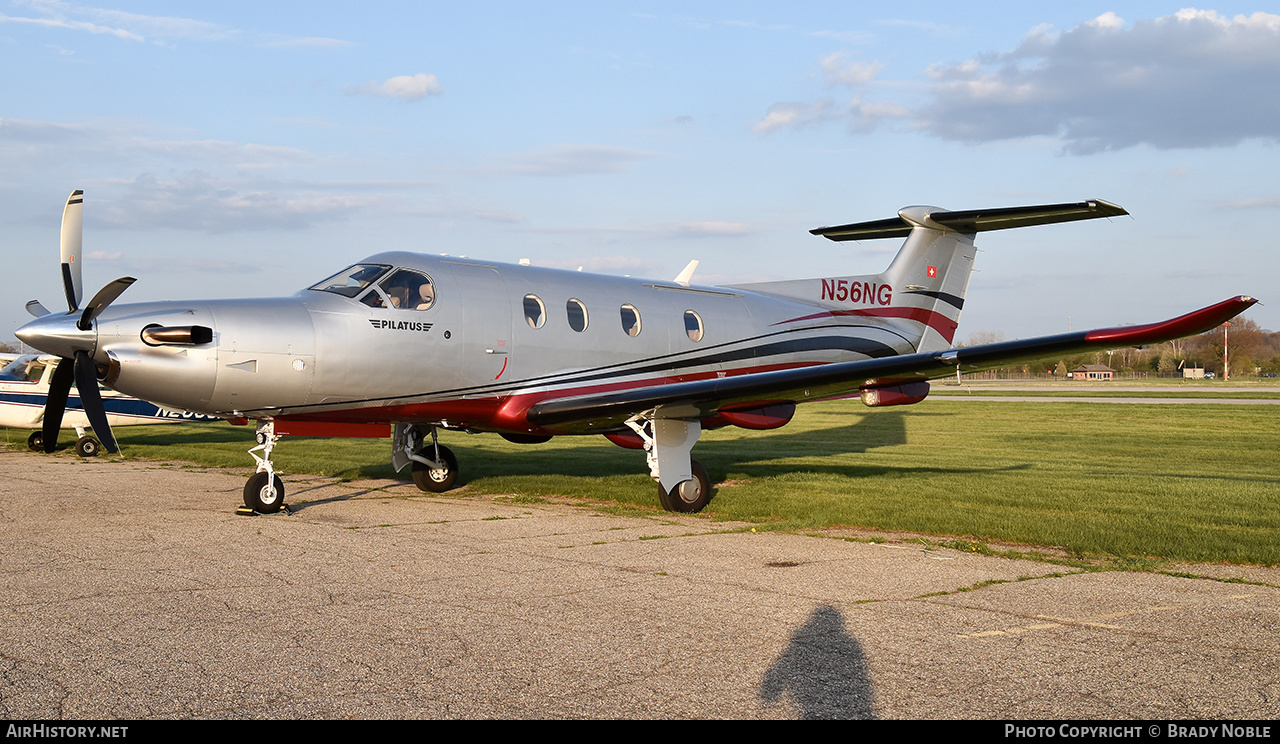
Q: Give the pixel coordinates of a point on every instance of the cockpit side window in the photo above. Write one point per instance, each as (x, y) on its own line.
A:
(351, 281)
(404, 289)
(24, 369)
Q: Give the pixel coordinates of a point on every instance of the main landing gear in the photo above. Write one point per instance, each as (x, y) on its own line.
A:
(683, 484)
(264, 492)
(435, 468)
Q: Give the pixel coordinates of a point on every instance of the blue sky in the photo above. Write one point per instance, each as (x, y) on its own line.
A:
(247, 149)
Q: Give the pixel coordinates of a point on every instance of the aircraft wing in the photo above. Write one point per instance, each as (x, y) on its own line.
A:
(703, 398)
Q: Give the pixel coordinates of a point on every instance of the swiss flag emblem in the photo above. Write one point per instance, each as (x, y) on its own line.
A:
(933, 272)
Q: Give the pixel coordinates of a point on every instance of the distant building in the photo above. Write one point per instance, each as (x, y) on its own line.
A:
(1092, 372)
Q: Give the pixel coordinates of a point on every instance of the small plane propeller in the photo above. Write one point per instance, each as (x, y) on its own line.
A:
(78, 368)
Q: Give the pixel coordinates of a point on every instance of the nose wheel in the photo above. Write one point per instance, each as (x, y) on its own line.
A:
(87, 447)
(264, 492)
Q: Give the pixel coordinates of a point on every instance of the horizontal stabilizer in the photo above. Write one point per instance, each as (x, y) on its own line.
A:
(970, 221)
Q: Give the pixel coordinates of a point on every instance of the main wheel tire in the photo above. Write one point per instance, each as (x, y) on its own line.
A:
(88, 447)
(35, 442)
(260, 498)
(688, 496)
(435, 480)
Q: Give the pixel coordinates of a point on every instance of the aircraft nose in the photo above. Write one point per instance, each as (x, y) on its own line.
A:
(58, 334)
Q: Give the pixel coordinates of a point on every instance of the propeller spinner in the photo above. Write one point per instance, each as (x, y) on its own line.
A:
(72, 336)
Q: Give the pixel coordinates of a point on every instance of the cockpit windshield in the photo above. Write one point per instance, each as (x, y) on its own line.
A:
(352, 281)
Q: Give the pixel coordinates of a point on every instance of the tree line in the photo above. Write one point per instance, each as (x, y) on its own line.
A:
(1253, 352)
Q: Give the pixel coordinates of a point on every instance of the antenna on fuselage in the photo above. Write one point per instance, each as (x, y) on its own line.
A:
(684, 276)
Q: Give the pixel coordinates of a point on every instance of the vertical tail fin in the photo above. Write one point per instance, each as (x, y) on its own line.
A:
(927, 281)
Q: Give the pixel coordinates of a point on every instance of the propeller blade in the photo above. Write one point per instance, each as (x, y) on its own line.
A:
(104, 297)
(35, 308)
(91, 399)
(56, 402)
(72, 234)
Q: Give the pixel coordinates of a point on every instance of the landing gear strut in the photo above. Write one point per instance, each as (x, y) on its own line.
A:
(435, 468)
(683, 484)
(264, 493)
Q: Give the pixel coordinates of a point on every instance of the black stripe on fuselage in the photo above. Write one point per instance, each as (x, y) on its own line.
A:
(666, 364)
(954, 300)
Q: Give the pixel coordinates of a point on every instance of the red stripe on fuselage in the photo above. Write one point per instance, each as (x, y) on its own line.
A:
(507, 412)
(945, 326)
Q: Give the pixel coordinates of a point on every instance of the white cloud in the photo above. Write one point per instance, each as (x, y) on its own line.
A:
(36, 144)
(198, 201)
(574, 160)
(839, 71)
(796, 115)
(72, 25)
(1193, 79)
(1189, 80)
(141, 27)
(713, 228)
(404, 87)
(861, 117)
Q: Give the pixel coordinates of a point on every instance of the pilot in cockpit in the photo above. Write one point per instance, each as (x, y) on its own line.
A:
(408, 290)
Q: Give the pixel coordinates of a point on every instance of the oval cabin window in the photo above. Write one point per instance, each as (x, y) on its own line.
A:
(535, 313)
(693, 325)
(577, 315)
(631, 320)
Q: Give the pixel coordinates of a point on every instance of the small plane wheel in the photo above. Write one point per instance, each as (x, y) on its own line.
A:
(35, 442)
(435, 480)
(688, 496)
(88, 447)
(262, 498)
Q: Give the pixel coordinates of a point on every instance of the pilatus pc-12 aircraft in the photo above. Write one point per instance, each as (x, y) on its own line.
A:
(411, 344)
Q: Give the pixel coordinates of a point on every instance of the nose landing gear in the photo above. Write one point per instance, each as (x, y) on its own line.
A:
(87, 446)
(264, 492)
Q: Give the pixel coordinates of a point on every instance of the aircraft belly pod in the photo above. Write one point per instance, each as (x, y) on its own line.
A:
(409, 344)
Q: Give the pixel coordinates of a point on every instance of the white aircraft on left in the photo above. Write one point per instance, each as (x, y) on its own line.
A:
(24, 392)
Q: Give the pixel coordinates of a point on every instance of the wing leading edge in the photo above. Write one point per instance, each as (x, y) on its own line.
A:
(703, 398)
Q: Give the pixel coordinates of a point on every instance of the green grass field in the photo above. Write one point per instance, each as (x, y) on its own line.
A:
(1061, 392)
(1177, 482)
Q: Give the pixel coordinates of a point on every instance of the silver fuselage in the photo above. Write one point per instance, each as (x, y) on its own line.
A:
(472, 358)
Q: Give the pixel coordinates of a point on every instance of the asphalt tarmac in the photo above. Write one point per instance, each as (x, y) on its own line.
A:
(132, 590)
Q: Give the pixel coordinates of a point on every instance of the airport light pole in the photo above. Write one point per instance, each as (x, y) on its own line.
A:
(1226, 365)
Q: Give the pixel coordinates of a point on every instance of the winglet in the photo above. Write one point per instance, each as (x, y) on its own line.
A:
(1190, 324)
